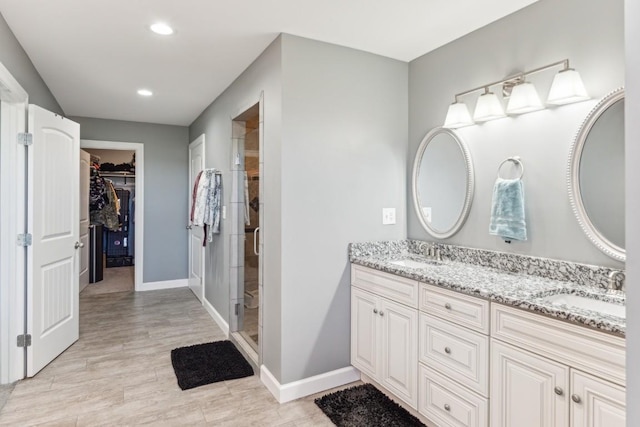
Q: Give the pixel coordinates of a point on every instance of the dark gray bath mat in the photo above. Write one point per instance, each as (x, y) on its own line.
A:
(364, 405)
(208, 363)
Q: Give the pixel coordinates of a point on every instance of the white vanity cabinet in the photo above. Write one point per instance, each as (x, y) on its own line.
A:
(538, 373)
(454, 358)
(384, 330)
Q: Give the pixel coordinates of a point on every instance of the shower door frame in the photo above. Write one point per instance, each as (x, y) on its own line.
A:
(237, 238)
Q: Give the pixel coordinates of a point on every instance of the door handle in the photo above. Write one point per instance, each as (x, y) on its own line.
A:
(78, 245)
(255, 241)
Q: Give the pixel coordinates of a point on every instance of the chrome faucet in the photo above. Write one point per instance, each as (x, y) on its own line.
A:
(431, 250)
(616, 280)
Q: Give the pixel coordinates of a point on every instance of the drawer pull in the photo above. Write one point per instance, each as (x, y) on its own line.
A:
(447, 407)
(558, 391)
(447, 306)
(447, 350)
(381, 313)
(576, 398)
(375, 311)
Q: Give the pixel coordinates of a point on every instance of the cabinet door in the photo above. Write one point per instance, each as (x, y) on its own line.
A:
(364, 345)
(399, 359)
(527, 390)
(595, 402)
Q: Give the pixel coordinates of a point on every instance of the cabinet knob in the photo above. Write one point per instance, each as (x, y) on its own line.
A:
(381, 313)
(447, 306)
(576, 398)
(558, 391)
(375, 311)
(447, 407)
(447, 350)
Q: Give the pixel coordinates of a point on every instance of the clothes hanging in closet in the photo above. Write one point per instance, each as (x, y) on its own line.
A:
(206, 198)
(103, 203)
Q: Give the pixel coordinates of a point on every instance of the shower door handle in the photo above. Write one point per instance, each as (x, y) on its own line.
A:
(255, 241)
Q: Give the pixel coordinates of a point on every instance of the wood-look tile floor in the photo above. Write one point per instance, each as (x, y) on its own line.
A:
(119, 373)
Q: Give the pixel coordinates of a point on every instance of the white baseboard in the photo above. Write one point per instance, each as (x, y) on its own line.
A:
(305, 387)
(166, 284)
(216, 317)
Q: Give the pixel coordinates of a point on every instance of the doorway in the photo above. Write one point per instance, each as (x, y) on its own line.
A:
(247, 175)
(116, 244)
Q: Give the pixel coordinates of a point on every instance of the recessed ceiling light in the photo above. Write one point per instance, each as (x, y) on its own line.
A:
(144, 92)
(161, 28)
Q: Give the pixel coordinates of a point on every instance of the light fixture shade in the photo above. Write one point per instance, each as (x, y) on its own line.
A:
(458, 116)
(488, 108)
(567, 87)
(524, 99)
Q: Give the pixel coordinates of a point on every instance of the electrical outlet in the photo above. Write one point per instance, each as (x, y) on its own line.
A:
(388, 216)
(426, 211)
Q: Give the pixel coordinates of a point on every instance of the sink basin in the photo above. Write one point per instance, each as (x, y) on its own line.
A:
(413, 264)
(578, 301)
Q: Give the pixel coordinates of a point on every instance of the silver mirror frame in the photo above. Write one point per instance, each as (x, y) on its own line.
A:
(470, 183)
(573, 179)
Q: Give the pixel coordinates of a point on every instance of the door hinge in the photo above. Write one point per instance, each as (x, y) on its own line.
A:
(237, 309)
(25, 138)
(25, 239)
(24, 340)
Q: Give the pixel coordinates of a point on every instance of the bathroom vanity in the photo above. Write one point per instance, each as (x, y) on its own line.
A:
(483, 338)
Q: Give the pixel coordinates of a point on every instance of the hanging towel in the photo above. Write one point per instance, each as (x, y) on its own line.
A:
(212, 211)
(247, 216)
(194, 195)
(507, 210)
(206, 206)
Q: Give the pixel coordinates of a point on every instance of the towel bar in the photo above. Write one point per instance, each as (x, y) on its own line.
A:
(516, 161)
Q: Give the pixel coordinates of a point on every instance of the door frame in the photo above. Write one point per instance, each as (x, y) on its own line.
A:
(199, 140)
(138, 147)
(14, 103)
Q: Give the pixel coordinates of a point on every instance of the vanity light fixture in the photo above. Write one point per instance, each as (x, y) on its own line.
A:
(524, 99)
(488, 107)
(458, 116)
(567, 87)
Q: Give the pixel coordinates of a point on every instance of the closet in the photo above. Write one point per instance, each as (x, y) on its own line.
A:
(112, 229)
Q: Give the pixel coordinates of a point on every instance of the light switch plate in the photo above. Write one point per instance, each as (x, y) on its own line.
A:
(388, 216)
(224, 212)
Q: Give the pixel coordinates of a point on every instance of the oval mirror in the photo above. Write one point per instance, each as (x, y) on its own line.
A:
(596, 176)
(442, 183)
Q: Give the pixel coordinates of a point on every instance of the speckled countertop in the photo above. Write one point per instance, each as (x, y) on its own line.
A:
(516, 289)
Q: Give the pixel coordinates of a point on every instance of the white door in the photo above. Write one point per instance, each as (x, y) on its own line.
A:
(595, 402)
(527, 390)
(196, 234)
(399, 344)
(85, 165)
(364, 334)
(53, 220)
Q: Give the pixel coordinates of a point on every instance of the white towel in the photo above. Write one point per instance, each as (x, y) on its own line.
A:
(207, 204)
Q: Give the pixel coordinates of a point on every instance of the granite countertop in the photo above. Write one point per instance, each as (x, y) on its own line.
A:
(515, 289)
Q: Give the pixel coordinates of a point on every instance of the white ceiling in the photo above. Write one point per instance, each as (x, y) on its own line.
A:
(94, 55)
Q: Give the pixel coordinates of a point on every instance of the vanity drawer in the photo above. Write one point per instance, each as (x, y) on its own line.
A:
(457, 352)
(589, 350)
(446, 403)
(455, 307)
(396, 288)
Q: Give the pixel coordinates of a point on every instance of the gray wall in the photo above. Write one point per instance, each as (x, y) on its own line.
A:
(165, 190)
(545, 32)
(632, 129)
(263, 76)
(344, 147)
(335, 146)
(15, 59)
